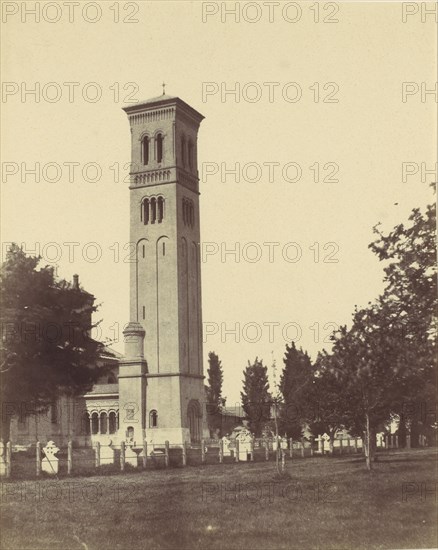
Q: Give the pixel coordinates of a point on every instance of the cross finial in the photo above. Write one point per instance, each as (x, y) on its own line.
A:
(164, 88)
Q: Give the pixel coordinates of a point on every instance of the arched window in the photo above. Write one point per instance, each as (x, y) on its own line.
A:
(112, 422)
(145, 150)
(190, 151)
(112, 379)
(153, 419)
(94, 423)
(153, 210)
(160, 209)
(194, 420)
(183, 151)
(146, 211)
(159, 140)
(188, 212)
(103, 423)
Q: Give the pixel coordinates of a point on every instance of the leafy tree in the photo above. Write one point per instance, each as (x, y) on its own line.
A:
(256, 399)
(330, 403)
(295, 384)
(411, 298)
(388, 355)
(46, 348)
(368, 365)
(215, 401)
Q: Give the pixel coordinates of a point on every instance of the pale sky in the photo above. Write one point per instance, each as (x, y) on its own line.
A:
(367, 134)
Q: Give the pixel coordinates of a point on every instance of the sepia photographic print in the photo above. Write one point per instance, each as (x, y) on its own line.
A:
(218, 275)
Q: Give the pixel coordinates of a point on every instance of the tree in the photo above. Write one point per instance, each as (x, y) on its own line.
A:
(388, 354)
(215, 401)
(368, 365)
(295, 384)
(330, 404)
(46, 348)
(256, 399)
(411, 298)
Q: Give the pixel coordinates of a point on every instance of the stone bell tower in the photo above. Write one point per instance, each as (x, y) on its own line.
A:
(162, 374)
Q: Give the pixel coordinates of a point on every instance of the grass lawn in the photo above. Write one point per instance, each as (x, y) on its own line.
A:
(327, 503)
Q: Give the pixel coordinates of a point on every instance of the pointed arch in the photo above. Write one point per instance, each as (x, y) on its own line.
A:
(194, 417)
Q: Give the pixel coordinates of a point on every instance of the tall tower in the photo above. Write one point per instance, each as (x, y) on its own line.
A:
(165, 278)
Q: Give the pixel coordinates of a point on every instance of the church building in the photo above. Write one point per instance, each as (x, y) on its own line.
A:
(156, 390)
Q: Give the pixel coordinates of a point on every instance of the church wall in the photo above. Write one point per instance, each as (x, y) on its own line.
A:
(163, 395)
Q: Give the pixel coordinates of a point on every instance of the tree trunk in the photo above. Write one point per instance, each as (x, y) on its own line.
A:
(402, 432)
(368, 444)
(415, 431)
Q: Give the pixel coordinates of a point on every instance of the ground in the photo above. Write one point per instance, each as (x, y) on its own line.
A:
(327, 503)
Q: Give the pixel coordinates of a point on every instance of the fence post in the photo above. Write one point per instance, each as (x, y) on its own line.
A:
(145, 453)
(408, 441)
(69, 457)
(184, 453)
(38, 458)
(355, 444)
(97, 454)
(302, 447)
(166, 454)
(8, 459)
(340, 445)
(237, 451)
(266, 442)
(122, 456)
(252, 450)
(386, 442)
(202, 451)
(348, 445)
(282, 459)
(311, 446)
(291, 448)
(396, 441)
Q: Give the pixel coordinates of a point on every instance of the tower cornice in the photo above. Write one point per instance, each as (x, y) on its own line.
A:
(163, 102)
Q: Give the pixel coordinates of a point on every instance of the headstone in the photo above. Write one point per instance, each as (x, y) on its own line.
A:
(2, 459)
(283, 443)
(49, 464)
(320, 441)
(107, 452)
(131, 456)
(245, 442)
(326, 439)
(226, 443)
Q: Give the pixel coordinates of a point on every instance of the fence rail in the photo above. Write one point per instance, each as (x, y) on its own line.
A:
(17, 461)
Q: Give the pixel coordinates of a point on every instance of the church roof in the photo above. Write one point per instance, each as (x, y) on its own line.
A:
(161, 97)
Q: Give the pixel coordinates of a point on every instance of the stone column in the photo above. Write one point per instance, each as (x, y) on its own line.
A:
(132, 384)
